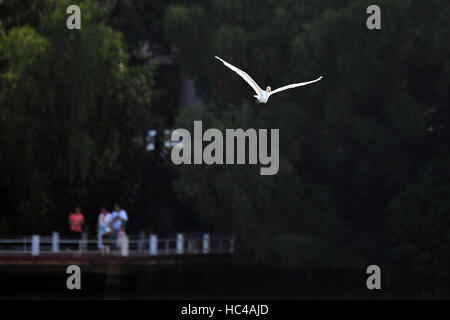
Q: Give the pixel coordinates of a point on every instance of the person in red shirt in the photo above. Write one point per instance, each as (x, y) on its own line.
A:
(76, 222)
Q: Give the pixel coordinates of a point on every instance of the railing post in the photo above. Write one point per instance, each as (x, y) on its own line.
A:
(153, 245)
(206, 242)
(180, 243)
(232, 245)
(190, 246)
(141, 245)
(55, 241)
(82, 245)
(124, 249)
(35, 245)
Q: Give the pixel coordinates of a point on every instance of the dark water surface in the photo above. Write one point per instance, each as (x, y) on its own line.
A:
(197, 281)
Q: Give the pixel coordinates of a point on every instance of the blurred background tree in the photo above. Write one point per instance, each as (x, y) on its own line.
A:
(72, 110)
(355, 148)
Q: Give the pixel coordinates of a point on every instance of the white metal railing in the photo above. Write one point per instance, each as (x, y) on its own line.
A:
(128, 245)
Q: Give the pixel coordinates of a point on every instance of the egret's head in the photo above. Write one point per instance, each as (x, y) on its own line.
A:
(268, 89)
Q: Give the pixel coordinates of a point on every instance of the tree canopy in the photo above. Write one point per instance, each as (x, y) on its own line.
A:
(71, 111)
(363, 152)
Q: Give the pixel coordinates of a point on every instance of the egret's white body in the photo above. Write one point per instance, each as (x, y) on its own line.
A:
(263, 95)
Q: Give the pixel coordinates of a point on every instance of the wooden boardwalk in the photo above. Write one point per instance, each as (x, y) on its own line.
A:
(91, 258)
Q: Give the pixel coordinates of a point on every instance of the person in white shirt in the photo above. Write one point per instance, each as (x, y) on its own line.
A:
(103, 227)
(119, 218)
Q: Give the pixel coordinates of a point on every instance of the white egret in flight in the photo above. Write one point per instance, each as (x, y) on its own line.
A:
(263, 95)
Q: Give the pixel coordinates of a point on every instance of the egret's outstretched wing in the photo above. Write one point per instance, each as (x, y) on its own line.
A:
(244, 75)
(294, 85)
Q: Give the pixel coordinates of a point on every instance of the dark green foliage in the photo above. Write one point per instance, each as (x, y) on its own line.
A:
(362, 179)
(71, 112)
